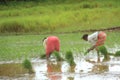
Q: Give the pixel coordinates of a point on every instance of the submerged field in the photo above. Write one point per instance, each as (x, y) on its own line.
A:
(54, 70)
(15, 48)
(23, 25)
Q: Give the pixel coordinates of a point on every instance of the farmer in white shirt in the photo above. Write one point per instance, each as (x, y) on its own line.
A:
(96, 39)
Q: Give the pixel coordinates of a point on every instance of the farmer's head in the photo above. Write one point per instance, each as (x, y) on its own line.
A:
(44, 39)
(44, 42)
(85, 37)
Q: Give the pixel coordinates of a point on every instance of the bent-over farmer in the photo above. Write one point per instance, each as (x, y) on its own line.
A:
(51, 44)
(96, 39)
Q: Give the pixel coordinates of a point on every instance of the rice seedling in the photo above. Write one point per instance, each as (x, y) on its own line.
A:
(57, 56)
(85, 53)
(103, 51)
(42, 56)
(27, 64)
(117, 54)
(69, 58)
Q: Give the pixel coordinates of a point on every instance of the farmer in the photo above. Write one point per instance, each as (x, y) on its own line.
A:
(51, 44)
(96, 39)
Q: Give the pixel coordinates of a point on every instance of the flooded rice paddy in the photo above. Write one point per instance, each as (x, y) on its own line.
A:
(86, 68)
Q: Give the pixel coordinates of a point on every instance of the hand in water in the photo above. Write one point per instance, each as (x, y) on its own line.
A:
(86, 53)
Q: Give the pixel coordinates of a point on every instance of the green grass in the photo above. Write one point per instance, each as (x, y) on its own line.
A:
(18, 47)
(63, 17)
(12, 47)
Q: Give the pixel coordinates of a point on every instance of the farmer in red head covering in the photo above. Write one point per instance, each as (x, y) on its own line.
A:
(51, 44)
(96, 39)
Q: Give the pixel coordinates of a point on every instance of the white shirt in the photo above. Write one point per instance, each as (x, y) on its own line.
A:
(93, 38)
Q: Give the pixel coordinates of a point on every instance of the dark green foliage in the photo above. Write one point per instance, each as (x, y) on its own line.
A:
(42, 56)
(57, 55)
(86, 53)
(117, 54)
(27, 64)
(3, 2)
(69, 57)
(86, 5)
(103, 50)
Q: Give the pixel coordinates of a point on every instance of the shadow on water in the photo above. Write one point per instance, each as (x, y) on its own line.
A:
(53, 70)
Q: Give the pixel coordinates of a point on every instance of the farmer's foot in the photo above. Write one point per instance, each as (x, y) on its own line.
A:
(106, 58)
(98, 60)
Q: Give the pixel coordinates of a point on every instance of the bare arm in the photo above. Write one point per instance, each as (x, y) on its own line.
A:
(93, 47)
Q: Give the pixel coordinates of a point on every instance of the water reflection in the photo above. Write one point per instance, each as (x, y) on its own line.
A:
(52, 70)
(100, 68)
(83, 70)
(40, 69)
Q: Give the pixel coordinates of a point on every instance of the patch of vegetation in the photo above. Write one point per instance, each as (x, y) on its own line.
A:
(11, 27)
(43, 56)
(103, 50)
(69, 58)
(57, 55)
(28, 65)
(117, 54)
(86, 53)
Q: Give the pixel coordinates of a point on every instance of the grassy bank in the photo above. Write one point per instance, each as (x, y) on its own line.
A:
(20, 47)
(59, 17)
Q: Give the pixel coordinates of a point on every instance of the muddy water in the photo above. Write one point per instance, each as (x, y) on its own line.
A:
(84, 69)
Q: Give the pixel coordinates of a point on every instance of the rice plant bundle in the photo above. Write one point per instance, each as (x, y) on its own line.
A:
(43, 56)
(27, 64)
(103, 50)
(117, 54)
(57, 55)
(69, 58)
